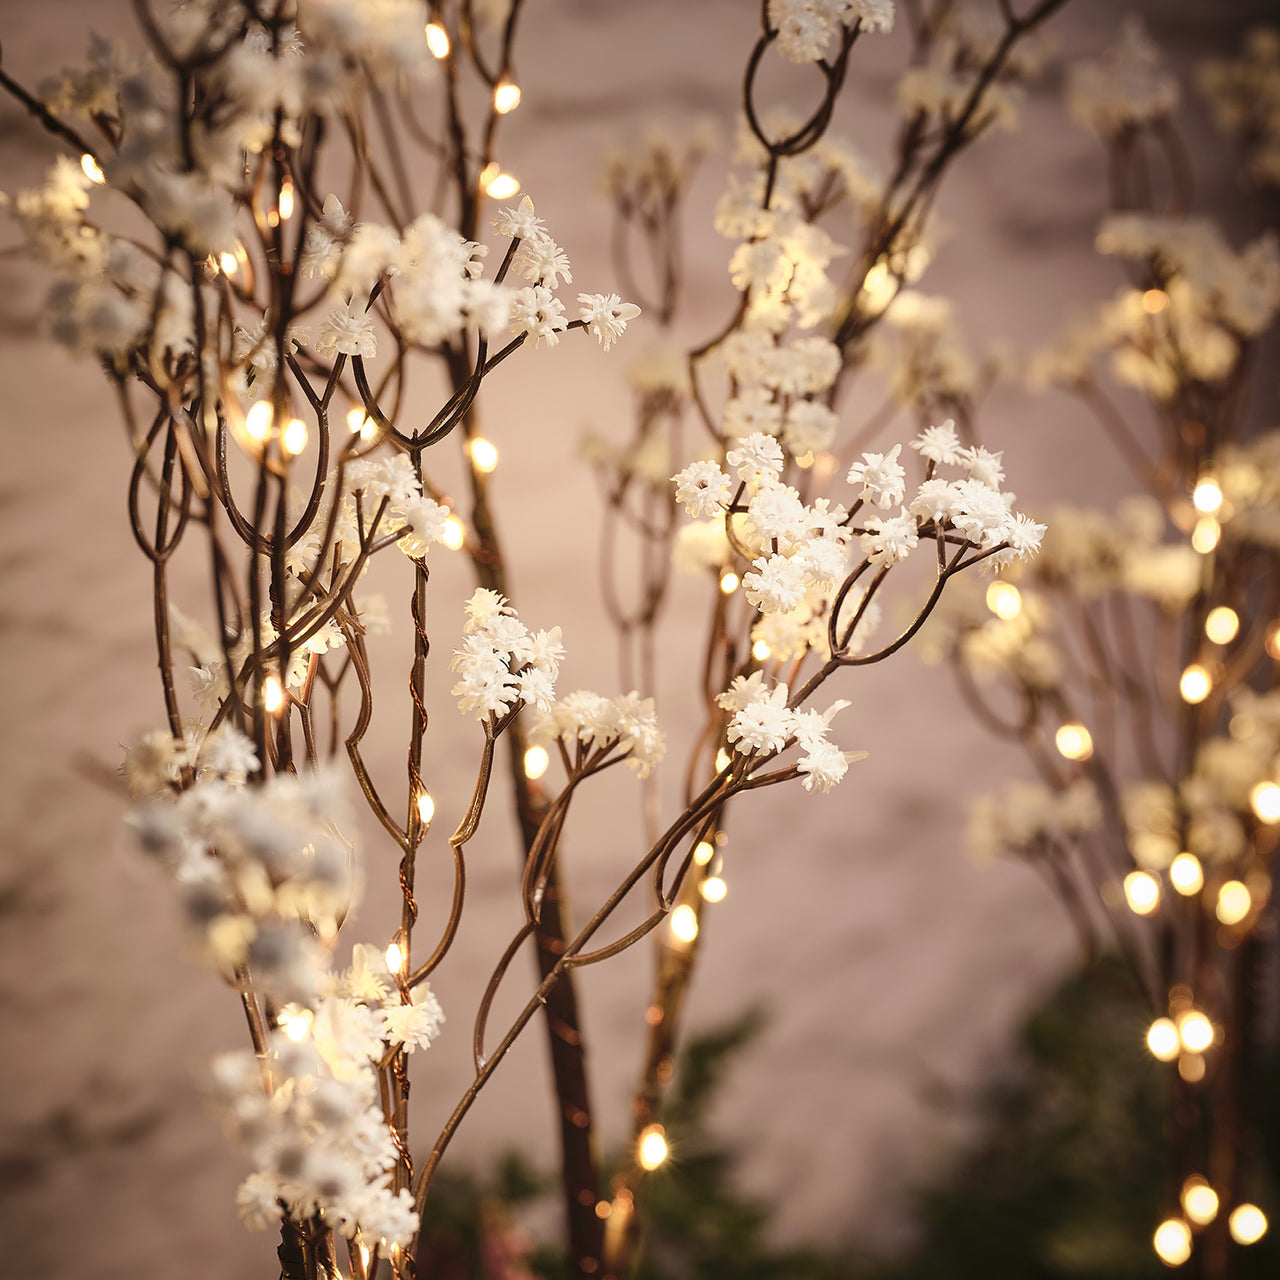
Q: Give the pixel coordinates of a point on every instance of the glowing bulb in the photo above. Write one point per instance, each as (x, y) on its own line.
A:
(293, 439)
(760, 651)
(652, 1147)
(1195, 1031)
(1248, 1224)
(437, 40)
(714, 889)
(1234, 902)
(1204, 537)
(1004, 599)
(1265, 802)
(722, 760)
(879, 285)
(228, 263)
(1073, 741)
(536, 761)
(1141, 892)
(272, 694)
(1154, 301)
(484, 455)
(92, 169)
(506, 97)
(1163, 1040)
(257, 422)
(1207, 497)
(1273, 640)
(296, 1023)
(684, 923)
(426, 807)
(453, 534)
(286, 199)
(729, 582)
(1222, 625)
(1191, 1068)
(1186, 875)
(1172, 1242)
(502, 186)
(1195, 684)
(1199, 1201)
(356, 418)
(703, 852)
(394, 957)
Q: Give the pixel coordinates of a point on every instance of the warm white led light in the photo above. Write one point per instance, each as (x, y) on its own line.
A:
(293, 439)
(1073, 741)
(1172, 1242)
(1163, 1039)
(1207, 496)
(1142, 892)
(536, 761)
(652, 1148)
(1248, 1224)
(1195, 684)
(684, 923)
(506, 97)
(1186, 874)
(1004, 599)
(484, 454)
(1222, 625)
(437, 40)
(257, 422)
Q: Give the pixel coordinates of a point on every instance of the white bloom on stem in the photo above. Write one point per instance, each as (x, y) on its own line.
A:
(885, 542)
(702, 489)
(427, 520)
(756, 457)
(764, 725)
(883, 477)
(542, 261)
(775, 584)
(519, 223)
(349, 330)
(416, 1025)
(940, 444)
(606, 316)
(538, 314)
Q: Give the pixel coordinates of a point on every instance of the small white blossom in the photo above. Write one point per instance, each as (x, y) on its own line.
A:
(606, 316)
(883, 477)
(539, 314)
(888, 541)
(702, 489)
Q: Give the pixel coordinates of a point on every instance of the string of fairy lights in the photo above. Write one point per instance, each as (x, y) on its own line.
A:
(1187, 1034)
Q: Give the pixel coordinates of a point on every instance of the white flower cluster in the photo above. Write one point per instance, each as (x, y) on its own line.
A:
(1215, 299)
(501, 664)
(762, 724)
(597, 723)
(1127, 87)
(1027, 815)
(964, 41)
(392, 477)
(249, 862)
(1245, 96)
(805, 548)
(807, 28)
(309, 1117)
(536, 312)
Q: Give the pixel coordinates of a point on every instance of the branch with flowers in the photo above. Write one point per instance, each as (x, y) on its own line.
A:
(260, 331)
(1136, 661)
